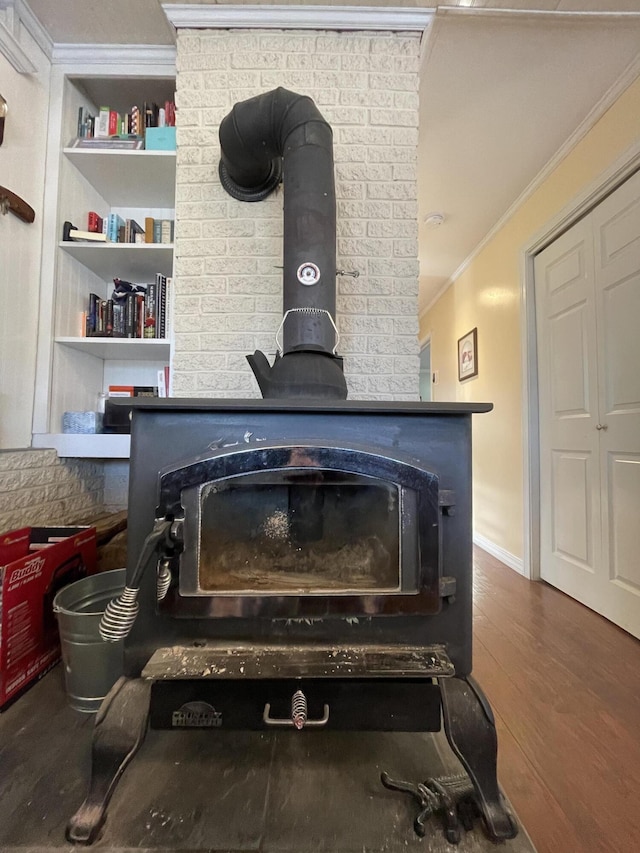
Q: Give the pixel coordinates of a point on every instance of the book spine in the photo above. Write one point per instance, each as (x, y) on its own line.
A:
(108, 317)
(168, 311)
(161, 284)
(118, 319)
(92, 313)
(157, 230)
(136, 128)
(165, 231)
(102, 126)
(113, 123)
(148, 229)
(94, 222)
(150, 311)
(130, 315)
(162, 385)
(139, 315)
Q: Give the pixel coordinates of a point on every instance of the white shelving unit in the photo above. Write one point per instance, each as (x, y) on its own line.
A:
(73, 372)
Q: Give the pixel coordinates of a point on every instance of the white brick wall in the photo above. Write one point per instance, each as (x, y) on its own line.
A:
(228, 285)
(37, 488)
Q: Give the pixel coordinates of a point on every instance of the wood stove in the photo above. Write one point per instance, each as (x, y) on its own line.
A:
(304, 565)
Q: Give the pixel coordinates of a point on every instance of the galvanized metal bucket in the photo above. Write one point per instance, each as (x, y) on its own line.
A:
(91, 666)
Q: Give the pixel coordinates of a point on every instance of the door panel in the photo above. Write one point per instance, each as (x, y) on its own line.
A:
(588, 317)
(572, 534)
(621, 344)
(624, 544)
(568, 340)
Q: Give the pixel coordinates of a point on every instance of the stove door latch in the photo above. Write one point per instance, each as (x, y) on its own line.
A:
(447, 501)
(448, 588)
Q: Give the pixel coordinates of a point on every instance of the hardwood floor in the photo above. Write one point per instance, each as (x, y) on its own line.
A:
(564, 685)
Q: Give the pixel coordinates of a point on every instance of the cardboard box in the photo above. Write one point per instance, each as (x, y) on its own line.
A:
(160, 139)
(35, 562)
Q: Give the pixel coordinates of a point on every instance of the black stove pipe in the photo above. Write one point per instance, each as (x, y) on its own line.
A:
(262, 138)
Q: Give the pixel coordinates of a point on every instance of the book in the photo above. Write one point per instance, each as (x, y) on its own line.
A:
(166, 231)
(157, 231)
(162, 384)
(133, 229)
(150, 312)
(109, 143)
(94, 222)
(102, 126)
(130, 315)
(133, 390)
(92, 314)
(114, 123)
(148, 229)
(90, 236)
(161, 299)
(70, 233)
(115, 222)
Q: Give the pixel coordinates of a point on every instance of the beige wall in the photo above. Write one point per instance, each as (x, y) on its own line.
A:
(487, 295)
(22, 159)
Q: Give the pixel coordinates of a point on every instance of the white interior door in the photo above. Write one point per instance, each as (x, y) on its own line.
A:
(588, 333)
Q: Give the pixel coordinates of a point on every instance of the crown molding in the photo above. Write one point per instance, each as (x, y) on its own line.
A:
(578, 15)
(10, 46)
(210, 16)
(113, 54)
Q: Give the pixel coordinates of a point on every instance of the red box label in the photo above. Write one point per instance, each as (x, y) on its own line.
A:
(35, 563)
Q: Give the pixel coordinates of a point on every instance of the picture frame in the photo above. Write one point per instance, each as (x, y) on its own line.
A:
(468, 355)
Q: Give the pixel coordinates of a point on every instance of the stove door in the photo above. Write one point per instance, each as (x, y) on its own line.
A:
(284, 530)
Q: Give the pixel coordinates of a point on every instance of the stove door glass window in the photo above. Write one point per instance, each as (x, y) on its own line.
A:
(299, 531)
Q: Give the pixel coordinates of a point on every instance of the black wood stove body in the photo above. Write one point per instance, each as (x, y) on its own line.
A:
(303, 565)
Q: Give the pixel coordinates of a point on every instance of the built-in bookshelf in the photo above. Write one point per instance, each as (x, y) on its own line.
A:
(75, 371)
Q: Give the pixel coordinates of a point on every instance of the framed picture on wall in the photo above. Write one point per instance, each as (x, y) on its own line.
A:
(468, 355)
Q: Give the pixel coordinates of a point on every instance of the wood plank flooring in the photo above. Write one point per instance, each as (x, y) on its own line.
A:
(564, 685)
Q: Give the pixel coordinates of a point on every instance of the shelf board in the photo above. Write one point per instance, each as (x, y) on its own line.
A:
(120, 349)
(130, 261)
(128, 178)
(89, 446)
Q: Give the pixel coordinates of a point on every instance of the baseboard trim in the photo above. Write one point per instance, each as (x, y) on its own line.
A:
(515, 563)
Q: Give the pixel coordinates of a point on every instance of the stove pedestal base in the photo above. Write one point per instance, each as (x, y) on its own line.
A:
(471, 731)
(120, 729)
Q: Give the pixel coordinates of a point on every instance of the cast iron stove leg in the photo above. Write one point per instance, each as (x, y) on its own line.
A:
(471, 732)
(120, 728)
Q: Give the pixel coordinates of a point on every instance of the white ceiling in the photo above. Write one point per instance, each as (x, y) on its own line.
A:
(501, 93)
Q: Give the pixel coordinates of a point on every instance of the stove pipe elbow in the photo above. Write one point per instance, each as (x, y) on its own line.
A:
(263, 138)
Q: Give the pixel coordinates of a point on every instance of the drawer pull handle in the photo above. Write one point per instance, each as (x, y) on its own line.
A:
(298, 719)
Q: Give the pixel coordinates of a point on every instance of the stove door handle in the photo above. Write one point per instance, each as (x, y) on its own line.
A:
(276, 722)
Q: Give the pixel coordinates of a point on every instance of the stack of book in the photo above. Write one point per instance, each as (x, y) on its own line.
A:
(134, 311)
(114, 229)
(109, 124)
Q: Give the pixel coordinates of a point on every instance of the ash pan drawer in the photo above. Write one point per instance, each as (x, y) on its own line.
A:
(403, 705)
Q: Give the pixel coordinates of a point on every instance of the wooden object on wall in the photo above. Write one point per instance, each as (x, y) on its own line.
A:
(3, 115)
(9, 201)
